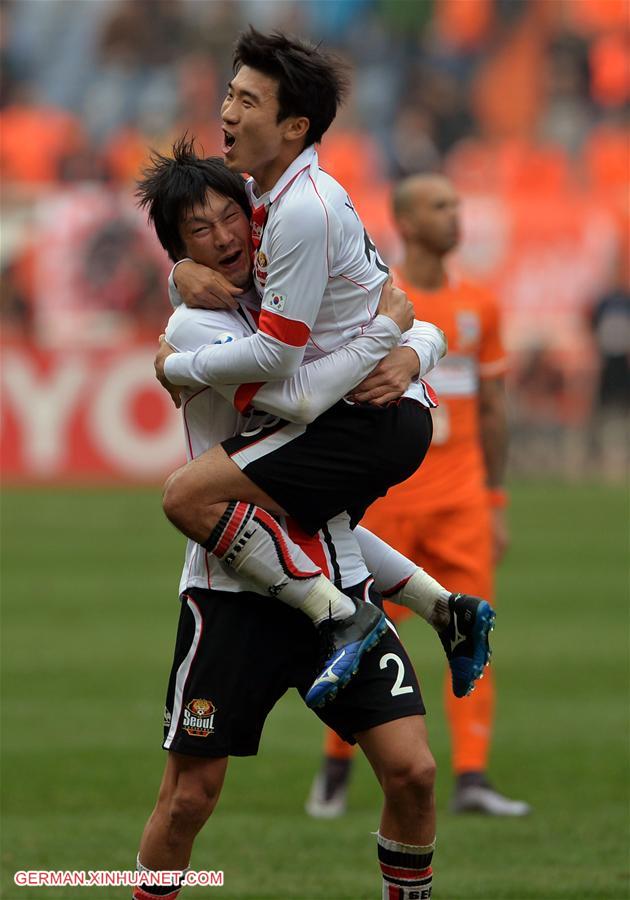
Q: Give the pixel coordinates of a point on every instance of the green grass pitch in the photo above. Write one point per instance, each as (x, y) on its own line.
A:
(89, 611)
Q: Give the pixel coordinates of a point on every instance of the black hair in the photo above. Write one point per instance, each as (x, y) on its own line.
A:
(311, 82)
(172, 185)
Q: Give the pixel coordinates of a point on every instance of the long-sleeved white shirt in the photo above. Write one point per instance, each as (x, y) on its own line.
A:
(319, 278)
(317, 385)
(295, 398)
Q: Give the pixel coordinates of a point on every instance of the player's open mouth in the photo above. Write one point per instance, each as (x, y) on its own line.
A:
(228, 141)
(231, 260)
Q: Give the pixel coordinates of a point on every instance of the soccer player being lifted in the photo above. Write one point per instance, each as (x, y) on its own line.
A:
(320, 279)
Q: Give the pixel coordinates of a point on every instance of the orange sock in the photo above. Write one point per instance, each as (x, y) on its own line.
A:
(335, 748)
(470, 720)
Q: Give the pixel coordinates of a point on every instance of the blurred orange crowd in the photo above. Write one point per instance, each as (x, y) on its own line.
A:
(523, 103)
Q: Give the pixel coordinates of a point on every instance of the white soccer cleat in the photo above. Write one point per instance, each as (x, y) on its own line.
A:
(319, 806)
(483, 798)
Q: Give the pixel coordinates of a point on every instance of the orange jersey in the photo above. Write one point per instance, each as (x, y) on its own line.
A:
(453, 471)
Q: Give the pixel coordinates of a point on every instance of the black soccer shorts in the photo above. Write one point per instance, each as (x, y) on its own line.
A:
(343, 461)
(237, 654)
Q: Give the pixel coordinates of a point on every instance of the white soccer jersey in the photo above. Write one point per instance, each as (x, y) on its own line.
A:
(319, 277)
(209, 417)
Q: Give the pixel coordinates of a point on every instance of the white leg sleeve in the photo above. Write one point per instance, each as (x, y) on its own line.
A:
(402, 581)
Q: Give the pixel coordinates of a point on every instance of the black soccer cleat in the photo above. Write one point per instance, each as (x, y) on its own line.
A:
(346, 641)
(465, 640)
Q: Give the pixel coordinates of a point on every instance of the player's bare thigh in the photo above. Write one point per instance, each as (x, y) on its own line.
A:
(185, 773)
(399, 749)
(195, 494)
(399, 753)
(189, 792)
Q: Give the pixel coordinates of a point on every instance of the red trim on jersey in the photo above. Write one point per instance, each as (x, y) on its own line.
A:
(262, 516)
(430, 392)
(230, 530)
(288, 184)
(245, 394)
(311, 544)
(289, 331)
(327, 225)
(370, 316)
(393, 892)
(192, 397)
(254, 313)
(315, 344)
(394, 590)
(362, 286)
(257, 224)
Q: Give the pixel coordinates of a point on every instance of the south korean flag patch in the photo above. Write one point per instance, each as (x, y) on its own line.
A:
(274, 301)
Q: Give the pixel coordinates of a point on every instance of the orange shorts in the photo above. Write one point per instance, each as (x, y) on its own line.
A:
(454, 545)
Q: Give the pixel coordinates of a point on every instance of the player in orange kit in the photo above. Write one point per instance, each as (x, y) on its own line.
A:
(449, 517)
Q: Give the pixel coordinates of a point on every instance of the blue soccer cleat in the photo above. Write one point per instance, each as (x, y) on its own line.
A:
(465, 640)
(346, 641)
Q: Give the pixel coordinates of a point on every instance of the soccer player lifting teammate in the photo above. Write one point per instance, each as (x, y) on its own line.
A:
(320, 279)
(236, 656)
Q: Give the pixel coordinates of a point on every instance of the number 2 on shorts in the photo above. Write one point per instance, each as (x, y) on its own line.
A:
(398, 688)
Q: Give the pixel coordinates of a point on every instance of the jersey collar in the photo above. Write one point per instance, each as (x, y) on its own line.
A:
(306, 160)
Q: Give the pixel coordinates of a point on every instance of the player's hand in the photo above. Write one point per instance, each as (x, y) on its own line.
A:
(500, 534)
(390, 379)
(163, 353)
(395, 304)
(203, 288)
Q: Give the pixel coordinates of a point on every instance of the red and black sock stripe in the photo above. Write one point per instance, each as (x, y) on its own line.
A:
(235, 517)
(278, 538)
(154, 892)
(399, 881)
(406, 873)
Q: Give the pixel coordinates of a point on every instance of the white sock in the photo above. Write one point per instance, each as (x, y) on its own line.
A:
(150, 891)
(402, 581)
(249, 540)
(426, 597)
(406, 869)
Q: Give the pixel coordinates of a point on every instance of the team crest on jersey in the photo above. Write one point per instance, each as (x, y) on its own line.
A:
(260, 268)
(257, 230)
(468, 328)
(167, 717)
(198, 718)
(274, 301)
